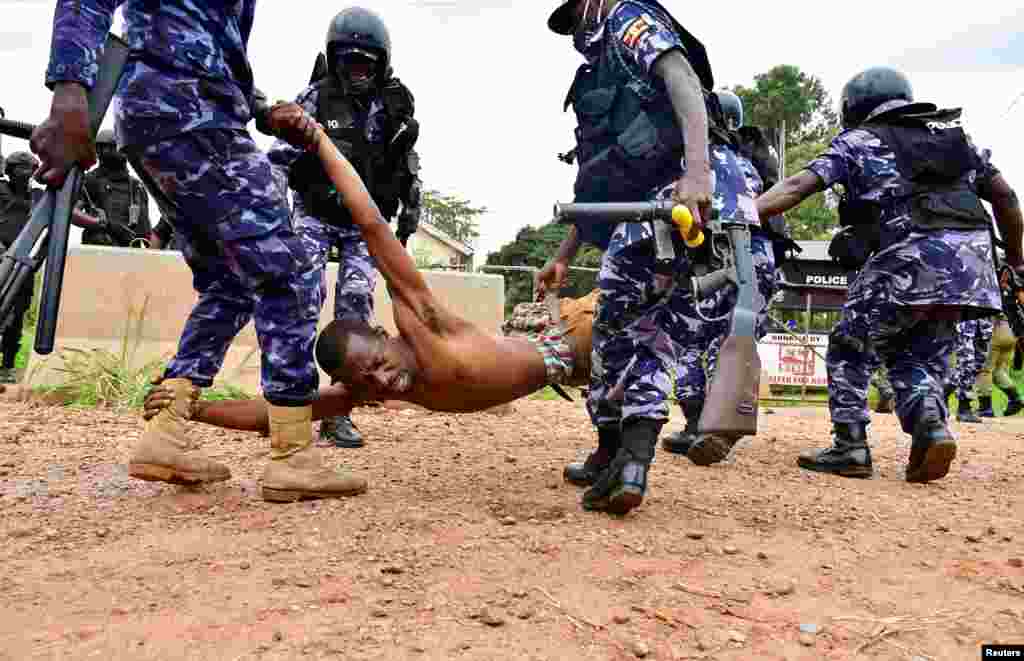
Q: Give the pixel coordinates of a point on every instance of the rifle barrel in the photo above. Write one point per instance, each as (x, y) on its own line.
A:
(617, 212)
(16, 129)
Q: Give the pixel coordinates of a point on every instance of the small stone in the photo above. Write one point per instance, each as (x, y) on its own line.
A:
(378, 611)
(730, 550)
(973, 539)
(519, 593)
(807, 640)
(392, 569)
(1007, 538)
(943, 528)
(1017, 563)
(418, 649)
(705, 641)
(509, 459)
(508, 521)
(103, 532)
(278, 582)
(491, 618)
(809, 628)
(695, 534)
(826, 567)
(621, 618)
(761, 555)
(640, 649)
(304, 583)
(533, 522)
(278, 636)
(387, 582)
(991, 530)
(737, 637)
(245, 565)
(525, 613)
(902, 544)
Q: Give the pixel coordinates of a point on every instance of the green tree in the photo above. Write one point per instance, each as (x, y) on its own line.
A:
(534, 246)
(786, 93)
(456, 217)
(814, 219)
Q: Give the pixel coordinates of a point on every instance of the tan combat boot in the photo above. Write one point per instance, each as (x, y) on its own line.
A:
(161, 455)
(297, 470)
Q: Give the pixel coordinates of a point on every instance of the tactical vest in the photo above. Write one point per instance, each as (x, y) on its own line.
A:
(346, 127)
(627, 145)
(14, 213)
(117, 197)
(935, 157)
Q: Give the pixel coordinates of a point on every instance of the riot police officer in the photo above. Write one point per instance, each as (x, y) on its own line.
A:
(15, 208)
(368, 113)
(913, 217)
(644, 112)
(117, 200)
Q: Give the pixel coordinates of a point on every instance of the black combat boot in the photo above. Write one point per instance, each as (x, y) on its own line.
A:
(341, 432)
(1014, 405)
(964, 412)
(621, 487)
(584, 473)
(849, 455)
(985, 407)
(886, 403)
(933, 448)
(680, 442)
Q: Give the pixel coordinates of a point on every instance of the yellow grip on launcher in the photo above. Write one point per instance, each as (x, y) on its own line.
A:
(683, 219)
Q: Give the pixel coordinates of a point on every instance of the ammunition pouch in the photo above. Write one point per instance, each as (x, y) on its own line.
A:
(956, 209)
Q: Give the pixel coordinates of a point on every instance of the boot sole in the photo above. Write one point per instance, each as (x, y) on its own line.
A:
(676, 448)
(621, 501)
(294, 496)
(935, 466)
(154, 473)
(859, 472)
(580, 482)
(711, 451)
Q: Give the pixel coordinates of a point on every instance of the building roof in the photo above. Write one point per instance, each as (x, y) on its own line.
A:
(447, 239)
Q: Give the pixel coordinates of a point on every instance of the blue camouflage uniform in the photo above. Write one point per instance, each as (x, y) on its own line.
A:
(183, 105)
(698, 353)
(974, 339)
(635, 321)
(357, 275)
(905, 301)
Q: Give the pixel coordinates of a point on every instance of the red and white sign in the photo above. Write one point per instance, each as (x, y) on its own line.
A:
(788, 362)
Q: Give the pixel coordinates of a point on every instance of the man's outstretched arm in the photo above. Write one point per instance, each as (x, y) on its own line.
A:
(247, 414)
(404, 279)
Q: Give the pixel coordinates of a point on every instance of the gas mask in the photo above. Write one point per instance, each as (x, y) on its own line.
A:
(357, 70)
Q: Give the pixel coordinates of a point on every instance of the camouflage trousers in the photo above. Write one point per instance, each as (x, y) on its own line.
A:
(633, 350)
(357, 274)
(914, 347)
(246, 260)
(974, 339)
(698, 353)
(997, 367)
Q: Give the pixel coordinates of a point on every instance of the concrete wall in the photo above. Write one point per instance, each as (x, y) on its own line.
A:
(105, 290)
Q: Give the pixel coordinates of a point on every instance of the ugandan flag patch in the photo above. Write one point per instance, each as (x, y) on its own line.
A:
(635, 31)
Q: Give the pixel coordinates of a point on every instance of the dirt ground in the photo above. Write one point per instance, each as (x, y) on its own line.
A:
(469, 546)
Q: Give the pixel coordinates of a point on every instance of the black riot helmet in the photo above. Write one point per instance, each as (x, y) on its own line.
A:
(732, 108)
(20, 166)
(358, 34)
(106, 150)
(870, 89)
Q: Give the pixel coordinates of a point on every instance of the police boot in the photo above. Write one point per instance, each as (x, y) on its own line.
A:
(163, 453)
(341, 432)
(621, 487)
(849, 455)
(680, 442)
(1014, 405)
(933, 448)
(584, 473)
(708, 449)
(985, 407)
(965, 413)
(297, 470)
(886, 404)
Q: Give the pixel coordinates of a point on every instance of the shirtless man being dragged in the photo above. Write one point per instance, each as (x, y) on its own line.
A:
(438, 361)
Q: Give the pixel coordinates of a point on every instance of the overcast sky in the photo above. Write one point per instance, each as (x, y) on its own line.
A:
(490, 79)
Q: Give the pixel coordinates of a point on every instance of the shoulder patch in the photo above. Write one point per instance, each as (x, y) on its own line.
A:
(636, 29)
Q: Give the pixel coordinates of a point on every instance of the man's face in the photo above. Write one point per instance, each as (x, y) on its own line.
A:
(20, 174)
(376, 367)
(357, 70)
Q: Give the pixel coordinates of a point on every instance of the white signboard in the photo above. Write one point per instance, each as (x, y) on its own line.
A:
(788, 362)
